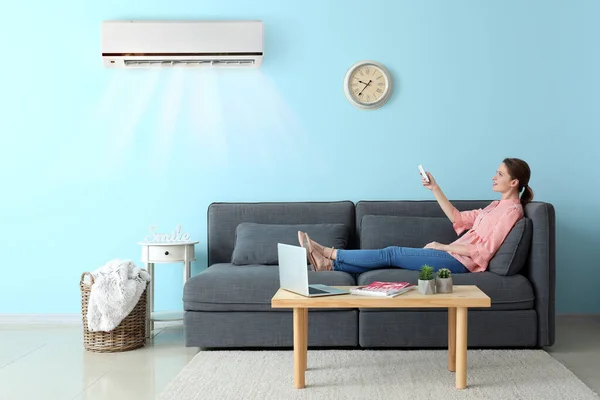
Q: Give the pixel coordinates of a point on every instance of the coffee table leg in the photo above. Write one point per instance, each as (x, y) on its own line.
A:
(299, 347)
(461, 347)
(452, 339)
(305, 339)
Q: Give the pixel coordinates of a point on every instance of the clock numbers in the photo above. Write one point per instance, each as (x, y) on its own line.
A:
(368, 85)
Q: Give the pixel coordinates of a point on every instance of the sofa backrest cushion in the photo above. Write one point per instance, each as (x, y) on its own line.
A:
(223, 219)
(512, 255)
(257, 243)
(380, 231)
(411, 208)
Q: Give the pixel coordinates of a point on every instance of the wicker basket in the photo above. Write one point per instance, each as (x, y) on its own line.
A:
(130, 334)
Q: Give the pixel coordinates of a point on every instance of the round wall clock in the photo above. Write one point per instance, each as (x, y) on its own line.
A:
(368, 85)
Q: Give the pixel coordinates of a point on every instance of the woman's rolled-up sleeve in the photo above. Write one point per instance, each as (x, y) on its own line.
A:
(464, 220)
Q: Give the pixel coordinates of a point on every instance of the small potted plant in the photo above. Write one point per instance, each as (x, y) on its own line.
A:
(426, 281)
(443, 282)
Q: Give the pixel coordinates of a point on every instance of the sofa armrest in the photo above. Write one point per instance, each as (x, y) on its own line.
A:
(541, 268)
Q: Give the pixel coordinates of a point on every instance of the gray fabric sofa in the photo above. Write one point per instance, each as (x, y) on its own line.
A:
(228, 305)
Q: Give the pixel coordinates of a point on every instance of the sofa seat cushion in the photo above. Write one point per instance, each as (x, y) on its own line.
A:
(512, 292)
(228, 287)
(256, 244)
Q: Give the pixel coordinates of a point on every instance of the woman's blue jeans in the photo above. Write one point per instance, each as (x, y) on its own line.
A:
(358, 261)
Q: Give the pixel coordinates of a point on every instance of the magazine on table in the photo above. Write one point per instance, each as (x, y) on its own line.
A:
(383, 289)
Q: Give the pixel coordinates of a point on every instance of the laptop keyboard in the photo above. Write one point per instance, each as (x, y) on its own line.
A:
(312, 290)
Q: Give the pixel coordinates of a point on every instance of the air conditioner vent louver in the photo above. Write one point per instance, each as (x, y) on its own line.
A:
(184, 63)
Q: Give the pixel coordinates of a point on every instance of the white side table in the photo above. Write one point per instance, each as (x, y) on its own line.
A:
(173, 252)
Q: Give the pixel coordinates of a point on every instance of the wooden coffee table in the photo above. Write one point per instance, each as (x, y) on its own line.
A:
(457, 304)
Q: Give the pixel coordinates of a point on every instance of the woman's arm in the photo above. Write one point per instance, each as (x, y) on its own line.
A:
(444, 203)
(454, 248)
(457, 248)
(461, 220)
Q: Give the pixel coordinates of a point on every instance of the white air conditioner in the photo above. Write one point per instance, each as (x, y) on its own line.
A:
(150, 44)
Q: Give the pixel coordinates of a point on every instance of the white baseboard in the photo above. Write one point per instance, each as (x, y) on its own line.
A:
(56, 319)
(40, 319)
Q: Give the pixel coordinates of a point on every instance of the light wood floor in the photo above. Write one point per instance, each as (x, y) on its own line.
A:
(49, 362)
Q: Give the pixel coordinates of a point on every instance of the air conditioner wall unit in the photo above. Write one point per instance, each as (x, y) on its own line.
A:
(152, 44)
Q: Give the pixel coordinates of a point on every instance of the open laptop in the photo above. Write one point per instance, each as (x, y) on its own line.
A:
(293, 273)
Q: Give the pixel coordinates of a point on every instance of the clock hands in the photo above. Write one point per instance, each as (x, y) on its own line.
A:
(366, 84)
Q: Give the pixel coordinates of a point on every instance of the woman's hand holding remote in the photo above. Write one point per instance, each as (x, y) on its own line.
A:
(432, 184)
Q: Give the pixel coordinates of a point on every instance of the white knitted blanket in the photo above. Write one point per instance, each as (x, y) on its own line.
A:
(117, 288)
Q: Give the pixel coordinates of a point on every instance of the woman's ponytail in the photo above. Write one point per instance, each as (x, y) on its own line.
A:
(527, 195)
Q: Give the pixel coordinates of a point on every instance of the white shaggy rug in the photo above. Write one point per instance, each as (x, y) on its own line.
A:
(375, 374)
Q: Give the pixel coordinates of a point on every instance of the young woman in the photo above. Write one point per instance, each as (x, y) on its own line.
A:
(487, 229)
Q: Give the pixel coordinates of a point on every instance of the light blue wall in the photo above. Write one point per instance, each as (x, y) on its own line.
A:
(91, 157)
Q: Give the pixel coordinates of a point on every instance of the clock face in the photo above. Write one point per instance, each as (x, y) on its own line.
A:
(367, 85)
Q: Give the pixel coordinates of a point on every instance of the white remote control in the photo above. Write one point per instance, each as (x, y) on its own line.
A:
(423, 174)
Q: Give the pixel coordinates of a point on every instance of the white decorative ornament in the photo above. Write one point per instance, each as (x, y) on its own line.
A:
(176, 236)
(368, 85)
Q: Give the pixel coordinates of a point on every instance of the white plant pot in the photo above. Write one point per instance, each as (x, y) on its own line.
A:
(427, 287)
(443, 285)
